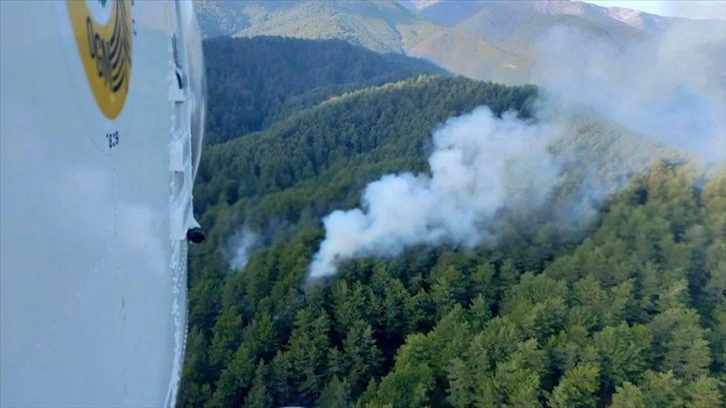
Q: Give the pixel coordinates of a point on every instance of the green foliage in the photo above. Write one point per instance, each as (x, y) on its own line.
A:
(577, 388)
(461, 328)
(407, 387)
(335, 395)
(253, 82)
(320, 159)
(370, 24)
(628, 396)
(629, 313)
(500, 34)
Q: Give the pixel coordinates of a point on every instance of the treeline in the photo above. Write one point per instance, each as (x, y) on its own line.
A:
(253, 82)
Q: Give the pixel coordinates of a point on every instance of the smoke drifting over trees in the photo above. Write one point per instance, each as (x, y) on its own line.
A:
(480, 164)
(627, 311)
(671, 88)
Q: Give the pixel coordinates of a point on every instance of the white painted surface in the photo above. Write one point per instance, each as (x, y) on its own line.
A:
(92, 288)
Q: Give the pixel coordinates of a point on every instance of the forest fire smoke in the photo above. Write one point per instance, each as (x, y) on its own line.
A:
(479, 162)
(669, 86)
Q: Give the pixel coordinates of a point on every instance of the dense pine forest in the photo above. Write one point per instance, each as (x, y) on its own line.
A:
(254, 82)
(623, 306)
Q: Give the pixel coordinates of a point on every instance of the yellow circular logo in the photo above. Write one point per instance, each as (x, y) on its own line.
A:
(105, 49)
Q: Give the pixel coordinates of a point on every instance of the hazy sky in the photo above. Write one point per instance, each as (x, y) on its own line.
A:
(681, 8)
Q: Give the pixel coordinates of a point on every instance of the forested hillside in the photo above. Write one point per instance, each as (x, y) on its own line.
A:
(308, 164)
(507, 37)
(252, 82)
(381, 26)
(627, 310)
(371, 24)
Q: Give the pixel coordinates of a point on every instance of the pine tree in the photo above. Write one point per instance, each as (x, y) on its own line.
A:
(577, 388)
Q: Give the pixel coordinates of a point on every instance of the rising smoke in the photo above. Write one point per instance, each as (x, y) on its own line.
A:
(479, 163)
(242, 244)
(672, 88)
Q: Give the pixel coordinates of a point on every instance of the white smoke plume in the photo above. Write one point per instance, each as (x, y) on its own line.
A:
(242, 244)
(479, 163)
(670, 86)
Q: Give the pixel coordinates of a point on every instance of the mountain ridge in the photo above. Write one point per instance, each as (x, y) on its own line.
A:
(258, 337)
(253, 82)
(502, 35)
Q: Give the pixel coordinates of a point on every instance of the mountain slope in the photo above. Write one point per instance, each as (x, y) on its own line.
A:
(281, 181)
(254, 82)
(388, 124)
(451, 13)
(516, 26)
(489, 40)
(523, 319)
(611, 292)
(382, 26)
(370, 24)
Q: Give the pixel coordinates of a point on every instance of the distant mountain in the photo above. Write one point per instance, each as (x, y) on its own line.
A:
(516, 26)
(256, 81)
(490, 40)
(452, 12)
(370, 24)
(382, 26)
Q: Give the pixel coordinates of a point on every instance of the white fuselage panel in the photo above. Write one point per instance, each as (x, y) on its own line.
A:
(88, 279)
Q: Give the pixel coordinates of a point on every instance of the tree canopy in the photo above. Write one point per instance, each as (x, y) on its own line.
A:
(627, 312)
(253, 82)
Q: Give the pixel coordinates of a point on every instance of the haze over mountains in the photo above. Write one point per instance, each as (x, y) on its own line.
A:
(436, 10)
(505, 37)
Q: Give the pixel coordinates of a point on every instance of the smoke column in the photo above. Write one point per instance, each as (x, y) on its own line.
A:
(669, 86)
(479, 163)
